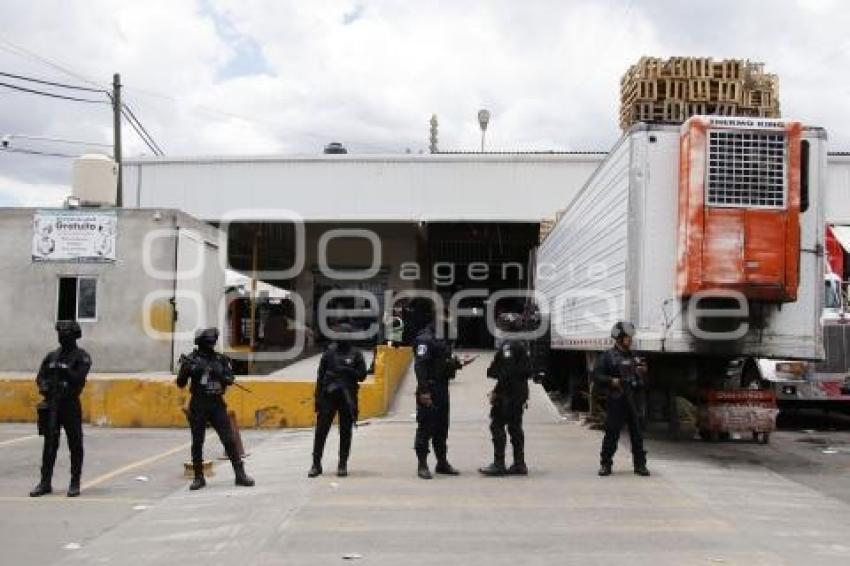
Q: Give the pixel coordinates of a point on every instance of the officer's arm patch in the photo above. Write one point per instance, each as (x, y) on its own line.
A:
(421, 350)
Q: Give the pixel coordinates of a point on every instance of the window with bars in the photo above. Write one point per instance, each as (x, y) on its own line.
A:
(746, 169)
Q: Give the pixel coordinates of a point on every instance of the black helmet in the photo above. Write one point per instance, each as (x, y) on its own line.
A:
(344, 331)
(622, 329)
(69, 328)
(344, 328)
(421, 312)
(206, 337)
(509, 321)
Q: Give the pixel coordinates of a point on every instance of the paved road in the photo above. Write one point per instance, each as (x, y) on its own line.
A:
(705, 504)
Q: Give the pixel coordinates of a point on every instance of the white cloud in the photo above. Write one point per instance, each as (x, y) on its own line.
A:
(14, 192)
(371, 73)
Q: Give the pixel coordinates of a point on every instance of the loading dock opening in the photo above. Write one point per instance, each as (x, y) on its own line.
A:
(444, 257)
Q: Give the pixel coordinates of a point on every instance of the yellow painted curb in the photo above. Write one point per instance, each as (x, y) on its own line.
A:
(154, 401)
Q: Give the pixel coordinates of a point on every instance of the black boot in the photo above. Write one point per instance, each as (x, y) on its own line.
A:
(443, 467)
(518, 468)
(497, 468)
(43, 488)
(342, 466)
(76, 472)
(604, 470)
(316, 468)
(422, 471)
(74, 487)
(641, 470)
(639, 460)
(241, 478)
(199, 480)
(44, 485)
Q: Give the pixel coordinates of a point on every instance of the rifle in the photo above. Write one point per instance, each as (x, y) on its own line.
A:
(48, 409)
(184, 359)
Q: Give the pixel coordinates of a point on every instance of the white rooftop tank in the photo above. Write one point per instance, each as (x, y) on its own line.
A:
(95, 179)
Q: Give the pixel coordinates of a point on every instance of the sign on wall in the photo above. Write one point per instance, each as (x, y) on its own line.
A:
(74, 235)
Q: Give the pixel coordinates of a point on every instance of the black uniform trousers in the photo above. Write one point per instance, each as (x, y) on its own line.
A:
(210, 409)
(432, 424)
(509, 418)
(69, 416)
(620, 410)
(331, 405)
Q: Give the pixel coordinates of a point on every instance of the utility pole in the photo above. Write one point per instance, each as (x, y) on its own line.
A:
(116, 130)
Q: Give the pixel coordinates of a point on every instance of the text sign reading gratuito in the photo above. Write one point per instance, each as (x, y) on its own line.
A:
(74, 235)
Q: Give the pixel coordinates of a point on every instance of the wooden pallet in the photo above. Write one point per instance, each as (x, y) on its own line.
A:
(671, 90)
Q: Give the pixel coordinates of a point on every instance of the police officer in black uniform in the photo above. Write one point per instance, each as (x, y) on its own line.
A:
(208, 374)
(434, 366)
(621, 374)
(511, 368)
(341, 370)
(60, 381)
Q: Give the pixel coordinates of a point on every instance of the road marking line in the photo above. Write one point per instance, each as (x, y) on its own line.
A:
(59, 497)
(129, 467)
(17, 440)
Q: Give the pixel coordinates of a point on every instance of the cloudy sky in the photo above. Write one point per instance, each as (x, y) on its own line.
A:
(251, 76)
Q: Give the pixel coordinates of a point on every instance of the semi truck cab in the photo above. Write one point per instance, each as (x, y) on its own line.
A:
(824, 384)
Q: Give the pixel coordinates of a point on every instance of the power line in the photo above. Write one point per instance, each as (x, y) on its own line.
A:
(58, 140)
(148, 142)
(139, 123)
(25, 53)
(34, 152)
(51, 94)
(50, 83)
(139, 133)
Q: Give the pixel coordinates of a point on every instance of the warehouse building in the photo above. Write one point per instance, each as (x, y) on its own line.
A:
(442, 222)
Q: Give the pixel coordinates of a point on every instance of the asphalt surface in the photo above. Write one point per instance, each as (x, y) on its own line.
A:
(724, 503)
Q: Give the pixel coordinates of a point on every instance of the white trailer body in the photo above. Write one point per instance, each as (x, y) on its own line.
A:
(613, 256)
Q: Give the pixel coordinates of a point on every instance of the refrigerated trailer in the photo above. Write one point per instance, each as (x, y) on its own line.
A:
(707, 236)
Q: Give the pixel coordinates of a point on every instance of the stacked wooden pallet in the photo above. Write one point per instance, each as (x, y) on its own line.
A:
(672, 90)
(547, 224)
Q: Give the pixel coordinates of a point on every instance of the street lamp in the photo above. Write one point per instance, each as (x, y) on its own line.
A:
(483, 120)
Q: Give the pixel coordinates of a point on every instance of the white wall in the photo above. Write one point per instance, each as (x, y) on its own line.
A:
(511, 187)
(837, 202)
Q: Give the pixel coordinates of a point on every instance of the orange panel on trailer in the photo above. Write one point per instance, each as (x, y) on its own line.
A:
(764, 247)
(739, 205)
(722, 261)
